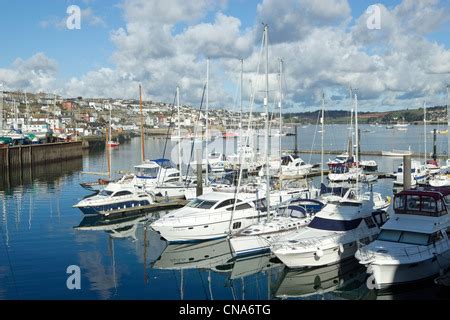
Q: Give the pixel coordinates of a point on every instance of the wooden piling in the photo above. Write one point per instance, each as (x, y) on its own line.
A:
(406, 172)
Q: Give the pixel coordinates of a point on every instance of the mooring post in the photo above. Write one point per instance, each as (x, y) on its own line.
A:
(199, 172)
(406, 172)
(434, 146)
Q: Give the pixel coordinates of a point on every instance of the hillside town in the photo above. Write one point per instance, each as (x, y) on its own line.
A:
(47, 115)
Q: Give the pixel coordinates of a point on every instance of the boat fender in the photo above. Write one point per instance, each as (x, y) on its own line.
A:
(319, 253)
(341, 248)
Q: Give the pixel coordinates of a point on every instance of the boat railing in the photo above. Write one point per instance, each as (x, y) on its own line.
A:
(208, 215)
(314, 241)
(410, 252)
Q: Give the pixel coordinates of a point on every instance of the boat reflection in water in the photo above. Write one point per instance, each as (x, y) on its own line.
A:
(201, 255)
(118, 227)
(216, 257)
(337, 281)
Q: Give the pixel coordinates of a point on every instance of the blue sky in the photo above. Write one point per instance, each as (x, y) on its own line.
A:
(31, 27)
(77, 52)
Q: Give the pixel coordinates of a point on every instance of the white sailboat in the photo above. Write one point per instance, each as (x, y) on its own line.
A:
(348, 171)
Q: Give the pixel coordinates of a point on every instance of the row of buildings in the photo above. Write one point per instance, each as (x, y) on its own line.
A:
(89, 117)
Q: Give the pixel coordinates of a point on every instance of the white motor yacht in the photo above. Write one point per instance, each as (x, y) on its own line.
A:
(211, 216)
(114, 197)
(413, 244)
(333, 234)
(293, 165)
(419, 174)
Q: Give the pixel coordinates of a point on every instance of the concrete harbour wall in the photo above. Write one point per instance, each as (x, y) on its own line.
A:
(17, 157)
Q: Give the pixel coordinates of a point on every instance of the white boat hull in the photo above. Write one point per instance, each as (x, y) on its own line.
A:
(207, 228)
(248, 245)
(388, 275)
(296, 259)
(440, 182)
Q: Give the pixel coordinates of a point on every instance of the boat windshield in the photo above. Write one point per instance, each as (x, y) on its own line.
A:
(293, 212)
(334, 225)
(407, 237)
(105, 193)
(201, 204)
(147, 172)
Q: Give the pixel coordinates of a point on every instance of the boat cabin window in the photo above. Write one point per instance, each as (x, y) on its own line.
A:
(146, 172)
(419, 205)
(406, 237)
(176, 174)
(370, 223)
(122, 193)
(242, 206)
(201, 204)
(165, 163)
(237, 225)
(225, 203)
(334, 225)
(105, 193)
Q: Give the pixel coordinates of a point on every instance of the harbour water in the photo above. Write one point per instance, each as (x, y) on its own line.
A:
(125, 259)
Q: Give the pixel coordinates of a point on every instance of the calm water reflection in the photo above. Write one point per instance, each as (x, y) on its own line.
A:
(124, 259)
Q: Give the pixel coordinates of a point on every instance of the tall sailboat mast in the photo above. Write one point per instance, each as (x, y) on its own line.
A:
(110, 129)
(266, 108)
(448, 123)
(1, 109)
(27, 109)
(241, 103)
(322, 121)
(179, 132)
(15, 115)
(356, 141)
(425, 131)
(281, 115)
(108, 153)
(206, 121)
(142, 125)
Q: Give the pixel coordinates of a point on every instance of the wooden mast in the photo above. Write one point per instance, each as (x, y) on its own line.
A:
(108, 150)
